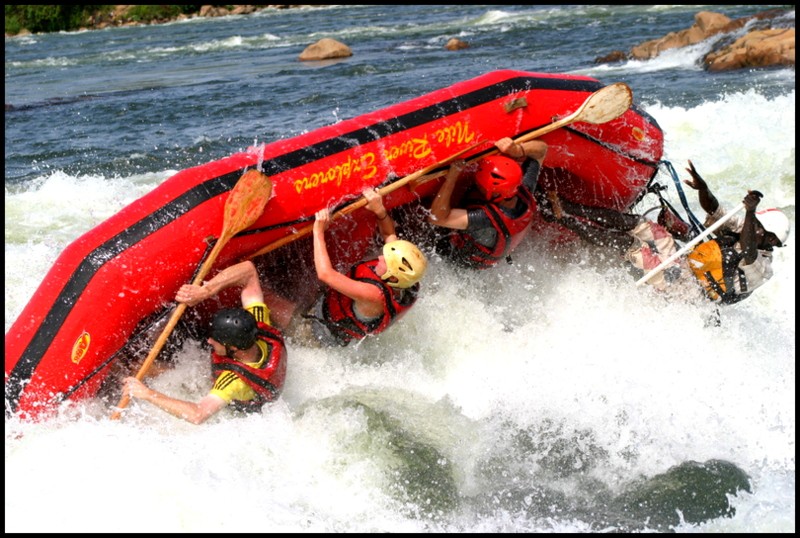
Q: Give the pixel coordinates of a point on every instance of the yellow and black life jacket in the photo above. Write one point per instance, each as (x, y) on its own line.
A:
(715, 263)
(267, 379)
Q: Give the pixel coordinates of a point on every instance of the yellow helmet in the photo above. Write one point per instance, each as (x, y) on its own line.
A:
(405, 262)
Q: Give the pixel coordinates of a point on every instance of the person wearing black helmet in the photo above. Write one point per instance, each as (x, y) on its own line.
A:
(374, 293)
(248, 353)
(498, 210)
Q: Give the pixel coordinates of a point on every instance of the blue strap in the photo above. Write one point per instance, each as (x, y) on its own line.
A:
(696, 226)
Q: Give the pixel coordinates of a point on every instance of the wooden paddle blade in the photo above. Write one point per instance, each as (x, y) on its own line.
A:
(606, 104)
(246, 202)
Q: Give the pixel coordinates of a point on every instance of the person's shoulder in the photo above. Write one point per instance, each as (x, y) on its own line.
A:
(259, 310)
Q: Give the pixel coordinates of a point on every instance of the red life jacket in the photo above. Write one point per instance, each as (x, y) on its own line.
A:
(510, 232)
(341, 319)
(266, 381)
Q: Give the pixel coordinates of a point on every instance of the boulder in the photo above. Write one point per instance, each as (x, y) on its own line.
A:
(456, 44)
(761, 48)
(705, 25)
(325, 49)
(612, 57)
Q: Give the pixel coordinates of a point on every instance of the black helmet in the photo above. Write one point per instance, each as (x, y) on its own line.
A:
(234, 327)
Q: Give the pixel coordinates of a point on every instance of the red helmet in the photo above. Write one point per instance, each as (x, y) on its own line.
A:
(498, 176)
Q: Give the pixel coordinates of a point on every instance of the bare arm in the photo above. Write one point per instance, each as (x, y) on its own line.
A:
(532, 149)
(242, 274)
(442, 214)
(368, 297)
(708, 201)
(747, 237)
(535, 149)
(603, 237)
(385, 221)
(196, 413)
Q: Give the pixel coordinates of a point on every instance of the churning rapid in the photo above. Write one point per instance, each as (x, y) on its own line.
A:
(548, 395)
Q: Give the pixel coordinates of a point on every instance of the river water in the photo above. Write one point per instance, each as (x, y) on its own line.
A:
(521, 399)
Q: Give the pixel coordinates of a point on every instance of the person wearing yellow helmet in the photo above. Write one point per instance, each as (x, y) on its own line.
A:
(374, 293)
(497, 211)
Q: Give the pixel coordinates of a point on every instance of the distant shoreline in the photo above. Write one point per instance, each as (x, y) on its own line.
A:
(120, 15)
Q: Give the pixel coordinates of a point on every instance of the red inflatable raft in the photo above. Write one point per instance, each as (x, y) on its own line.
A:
(106, 284)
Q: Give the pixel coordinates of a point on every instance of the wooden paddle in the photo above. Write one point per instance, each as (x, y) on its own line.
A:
(606, 104)
(361, 202)
(244, 205)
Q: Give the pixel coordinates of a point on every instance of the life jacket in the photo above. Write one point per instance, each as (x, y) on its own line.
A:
(267, 380)
(341, 319)
(510, 232)
(715, 263)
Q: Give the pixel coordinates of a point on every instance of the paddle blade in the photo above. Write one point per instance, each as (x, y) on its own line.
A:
(606, 104)
(246, 202)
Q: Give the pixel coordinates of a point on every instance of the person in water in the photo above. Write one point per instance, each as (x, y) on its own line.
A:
(374, 293)
(739, 260)
(248, 354)
(644, 244)
(497, 212)
(729, 267)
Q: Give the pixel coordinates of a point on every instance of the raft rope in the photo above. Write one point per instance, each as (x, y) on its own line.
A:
(695, 226)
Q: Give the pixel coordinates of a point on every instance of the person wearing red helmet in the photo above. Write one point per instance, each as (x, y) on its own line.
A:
(498, 210)
(248, 354)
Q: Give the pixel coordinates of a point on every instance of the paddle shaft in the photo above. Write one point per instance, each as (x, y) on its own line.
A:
(170, 326)
(361, 202)
(711, 229)
(604, 105)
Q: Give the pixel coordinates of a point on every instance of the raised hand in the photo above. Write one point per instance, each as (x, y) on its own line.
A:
(323, 220)
(191, 294)
(751, 200)
(374, 201)
(697, 182)
(509, 147)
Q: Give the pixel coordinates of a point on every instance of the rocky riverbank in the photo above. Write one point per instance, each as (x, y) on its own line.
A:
(769, 42)
(125, 15)
(119, 17)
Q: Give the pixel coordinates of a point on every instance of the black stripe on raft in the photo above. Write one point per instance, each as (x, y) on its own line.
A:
(437, 111)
